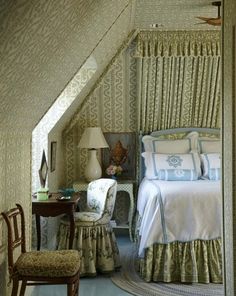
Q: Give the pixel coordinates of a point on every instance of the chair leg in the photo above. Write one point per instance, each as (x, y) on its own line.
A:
(15, 287)
(69, 289)
(23, 286)
(76, 288)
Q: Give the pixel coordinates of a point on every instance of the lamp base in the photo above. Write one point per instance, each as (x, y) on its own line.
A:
(93, 169)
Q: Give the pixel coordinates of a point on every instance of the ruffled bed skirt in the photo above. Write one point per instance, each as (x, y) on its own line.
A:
(190, 262)
(97, 246)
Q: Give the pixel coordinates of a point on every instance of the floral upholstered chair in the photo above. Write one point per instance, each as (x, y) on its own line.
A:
(94, 236)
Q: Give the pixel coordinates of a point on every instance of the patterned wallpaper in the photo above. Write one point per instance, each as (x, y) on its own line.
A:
(14, 187)
(105, 51)
(40, 133)
(43, 44)
(112, 105)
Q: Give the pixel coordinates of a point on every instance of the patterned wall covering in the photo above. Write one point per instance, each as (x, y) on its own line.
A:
(112, 106)
(43, 44)
(117, 37)
(40, 133)
(14, 187)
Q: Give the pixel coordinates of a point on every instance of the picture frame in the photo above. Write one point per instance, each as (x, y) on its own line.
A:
(53, 156)
(120, 141)
(43, 170)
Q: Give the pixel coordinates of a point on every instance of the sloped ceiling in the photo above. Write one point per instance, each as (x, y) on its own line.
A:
(44, 43)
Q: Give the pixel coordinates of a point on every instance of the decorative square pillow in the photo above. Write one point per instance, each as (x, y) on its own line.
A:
(211, 166)
(209, 146)
(155, 144)
(172, 167)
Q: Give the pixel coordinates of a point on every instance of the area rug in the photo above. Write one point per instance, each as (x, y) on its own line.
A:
(129, 280)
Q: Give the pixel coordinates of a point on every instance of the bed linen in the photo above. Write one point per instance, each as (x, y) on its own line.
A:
(181, 211)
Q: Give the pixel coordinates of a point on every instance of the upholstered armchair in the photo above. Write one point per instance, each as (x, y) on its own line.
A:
(94, 236)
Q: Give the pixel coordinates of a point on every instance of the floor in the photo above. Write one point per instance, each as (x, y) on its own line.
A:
(99, 286)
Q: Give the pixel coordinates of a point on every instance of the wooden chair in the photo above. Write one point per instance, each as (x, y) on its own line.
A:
(38, 267)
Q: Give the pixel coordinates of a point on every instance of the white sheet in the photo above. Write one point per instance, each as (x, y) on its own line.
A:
(178, 211)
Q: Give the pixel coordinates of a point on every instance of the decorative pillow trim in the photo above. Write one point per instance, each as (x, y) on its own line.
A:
(211, 166)
(178, 166)
(215, 174)
(178, 175)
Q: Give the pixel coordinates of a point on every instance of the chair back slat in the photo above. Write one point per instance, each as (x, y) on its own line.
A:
(15, 227)
(14, 219)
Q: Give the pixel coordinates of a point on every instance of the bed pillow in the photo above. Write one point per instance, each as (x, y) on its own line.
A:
(211, 164)
(154, 144)
(209, 146)
(172, 167)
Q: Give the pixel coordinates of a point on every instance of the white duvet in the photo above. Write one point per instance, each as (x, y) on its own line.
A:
(178, 211)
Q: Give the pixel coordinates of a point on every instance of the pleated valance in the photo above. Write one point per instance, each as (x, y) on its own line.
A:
(178, 43)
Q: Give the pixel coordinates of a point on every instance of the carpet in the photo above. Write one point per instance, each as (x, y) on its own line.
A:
(129, 280)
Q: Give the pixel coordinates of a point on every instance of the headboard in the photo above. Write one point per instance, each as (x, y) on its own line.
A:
(174, 131)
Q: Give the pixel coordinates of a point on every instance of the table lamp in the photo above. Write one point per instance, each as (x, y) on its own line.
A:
(93, 139)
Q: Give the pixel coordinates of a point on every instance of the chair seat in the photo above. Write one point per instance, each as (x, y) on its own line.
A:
(87, 216)
(48, 263)
(84, 219)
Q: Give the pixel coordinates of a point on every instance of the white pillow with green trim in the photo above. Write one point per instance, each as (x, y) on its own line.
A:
(172, 167)
(211, 166)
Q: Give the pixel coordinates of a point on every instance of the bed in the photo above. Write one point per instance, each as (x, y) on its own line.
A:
(179, 206)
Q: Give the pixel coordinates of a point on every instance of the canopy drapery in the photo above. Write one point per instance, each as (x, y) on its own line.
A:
(178, 79)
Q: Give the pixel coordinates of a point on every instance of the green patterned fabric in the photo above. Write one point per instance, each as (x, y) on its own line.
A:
(197, 261)
(48, 263)
(178, 43)
(97, 246)
(178, 89)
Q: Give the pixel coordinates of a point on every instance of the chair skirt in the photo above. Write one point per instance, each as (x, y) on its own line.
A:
(97, 246)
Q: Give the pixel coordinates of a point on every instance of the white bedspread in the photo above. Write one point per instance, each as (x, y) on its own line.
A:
(178, 211)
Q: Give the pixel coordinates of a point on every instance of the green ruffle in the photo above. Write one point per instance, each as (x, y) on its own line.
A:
(197, 261)
(97, 246)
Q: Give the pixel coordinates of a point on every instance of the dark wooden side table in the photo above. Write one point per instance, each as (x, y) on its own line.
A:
(52, 208)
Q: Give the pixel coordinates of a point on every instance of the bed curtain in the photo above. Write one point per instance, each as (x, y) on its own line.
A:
(178, 79)
(197, 261)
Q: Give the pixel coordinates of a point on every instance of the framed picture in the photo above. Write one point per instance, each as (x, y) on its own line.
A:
(53, 155)
(122, 153)
(43, 171)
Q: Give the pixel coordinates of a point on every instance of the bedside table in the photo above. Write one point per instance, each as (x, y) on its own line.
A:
(122, 185)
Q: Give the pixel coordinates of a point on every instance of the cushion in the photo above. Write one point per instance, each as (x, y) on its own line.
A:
(155, 144)
(209, 145)
(211, 164)
(63, 263)
(172, 167)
